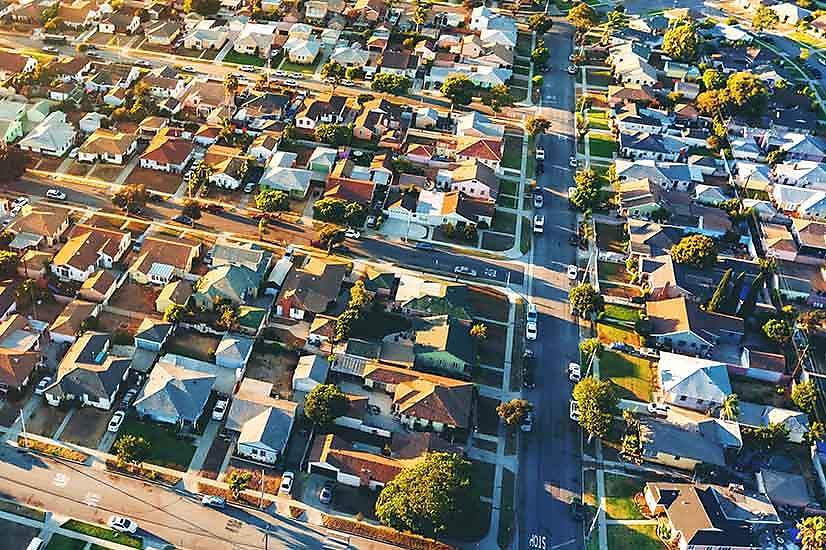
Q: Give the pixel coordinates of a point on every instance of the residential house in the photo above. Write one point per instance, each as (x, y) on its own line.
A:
(38, 227)
(263, 110)
(206, 36)
(233, 351)
(263, 423)
(204, 97)
(281, 174)
(421, 297)
(399, 63)
(231, 283)
(682, 326)
(302, 51)
(790, 14)
(164, 82)
(668, 175)
(53, 136)
(756, 415)
(160, 259)
(649, 239)
(255, 39)
(476, 179)
(436, 208)
(229, 166)
(475, 124)
(321, 163)
(66, 327)
(88, 249)
(310, 289)
(162, 33)
(175, 395)
(444, 344)
(153, 334)
(640, 198)
(310, 372)
(685, 442)
(630, 62)
(13, 63)
(12, 117)
(90, 122)
(804, 173)
(484, 76)
(167, 154)
(335, 457)
(98, 287)
(351, 56)
(108, 146)
(323, 109)
(246, 255)
(376, 118)
(660, 147)
(121, 22)
(370, 10)
(174, 293)
(631, 94)
(264, 146)
(19, 346)
(692, 383)
(88, 373)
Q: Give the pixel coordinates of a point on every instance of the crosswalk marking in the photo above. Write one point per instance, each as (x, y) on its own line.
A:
(61, 480)
(91, 499)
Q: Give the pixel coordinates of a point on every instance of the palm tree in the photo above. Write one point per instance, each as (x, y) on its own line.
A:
(730, 409)
(230, 87)
(812, 533)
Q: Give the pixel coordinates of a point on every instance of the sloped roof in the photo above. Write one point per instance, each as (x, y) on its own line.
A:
(694, 377)
(175, 391)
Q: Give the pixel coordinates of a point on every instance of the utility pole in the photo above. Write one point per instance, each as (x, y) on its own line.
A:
(261, 500)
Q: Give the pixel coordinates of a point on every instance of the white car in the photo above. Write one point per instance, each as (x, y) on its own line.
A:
(657, 409)
(527, 424)
(538, 201)
(42, 385)
(220, 409)
(189, 69)
(538, 223)
(574, 372)
(573, 410)
(73, 153)
(247, 68)
(531, 315)
(572, 162)
(286, 483)
(50, 49)
(572, 57)
(56, 194)
(573, 272)
(20, 202)
(531, 331)
(571, 69)
(464, 270)
(116, 421)
(540, 153)
(122, 524)
(352, 234)
(348, 82)
(249, 188)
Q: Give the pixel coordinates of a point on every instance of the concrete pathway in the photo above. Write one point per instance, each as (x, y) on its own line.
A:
(204, 444)
(25, 413)
(59, 431)
(121, 179)
(223, 53)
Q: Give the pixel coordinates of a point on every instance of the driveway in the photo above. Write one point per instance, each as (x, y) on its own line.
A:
(398, 229)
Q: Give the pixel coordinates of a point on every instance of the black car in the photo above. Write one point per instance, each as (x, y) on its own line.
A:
(540, 168)
(185, 220)
(577, 509)
(528, 379)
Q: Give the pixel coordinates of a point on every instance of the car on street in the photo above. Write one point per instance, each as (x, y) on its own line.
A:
(50, 49)
(249, 188)
(116, 421)
(424, 246)
(531, 315)
(247, 68)
(213, 501)
(286, 483)
(658, 409)
(573, 410)
(572, 57)
(348, 82)
(489, 272)
(220, 409)
(42, 385)
(189, 69)
(531, 330)
(56, 194)
(572, 272)
(20, 202)
(572, 69)
(540, 153)
(94, 55)
(291, 83)
(538, 201)
(621, 346)
(577, 509)
(528, 366)
(184, 220)
(129, 396)
(122, 524)
(574, 372)
(142, 63)
(464, 270)
(650, 352)
(538, 223)
(352, 233)
(325, 496)
(527, 424)
(73, 153)
(572, 162)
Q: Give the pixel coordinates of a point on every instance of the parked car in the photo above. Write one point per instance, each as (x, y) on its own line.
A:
(247, 68)
(574, 373)
(489, 272)
(220, 409)
(572, 162)
(352, 233)
(50, 49)
(56, 194)
(424, 245)
(122, 524)
(573, 272)
(185, 220)
(538, 201)
(528, 378)
(572, 69)
(142, 63)
(129, 396)
(527, 424)
(249, 188)
(286, 483)
(573, 410)
(116, 421)
(658, 409)
(212, 207)
(621, 346)
(464, 270)
(531, 331)
(325, 496)
(73, 153)
(189, 69)
(20, 202)
(577, 509)
(531, 315)
(540, 153)
(538, 223)
(213, 501)
(42, 385)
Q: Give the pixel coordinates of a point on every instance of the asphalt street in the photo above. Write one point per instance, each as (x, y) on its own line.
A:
(550, 462)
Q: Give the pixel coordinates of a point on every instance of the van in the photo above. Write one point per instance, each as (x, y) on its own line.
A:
(35, 544)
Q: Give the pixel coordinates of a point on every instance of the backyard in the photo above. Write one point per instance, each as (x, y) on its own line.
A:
(274, 364)
(166, 448)
(631, 375)
(193, 344)
(756, 391)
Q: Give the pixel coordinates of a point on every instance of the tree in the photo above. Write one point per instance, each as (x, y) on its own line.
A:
(130, 197)
(537, 80)
(354, 214)
(8, 262)
(711, 102)
(329, 236)
(748, 93)
(422, 9)
(804, 395)
(616, 19)
(514, 412)
(583, 16)
(536, 125)
(589, 347)
(238, 481)
(540, 53)
(458, 88)
(812, 533)
(272, 201)
(198, 176)
(89, 323)
(391, 83)
(597, 404)
(714, 79)
(329, 210)
(730, 409)
(499, 96)
(767, 437)
(334, 73)
(54, 24)
(191, 209)
(231, 85)
(586, 194)
(775, 157)
(202, 7)
(699, 251)
(585, 300)
(227, 317)
(682, 42)
(325, 403)
(720, 292)
(817, 432)
(174, 313)
(431, 497)
(777, 330)
(354, 73)
(540, 23)
(479, 331)
(631, 448)
(131, 449)
(764, 18)
(333, 134)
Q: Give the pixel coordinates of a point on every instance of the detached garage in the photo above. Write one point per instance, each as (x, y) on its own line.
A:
(311, 372)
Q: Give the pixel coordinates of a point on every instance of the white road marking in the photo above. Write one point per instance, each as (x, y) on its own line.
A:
(60, 480)
(91, 499)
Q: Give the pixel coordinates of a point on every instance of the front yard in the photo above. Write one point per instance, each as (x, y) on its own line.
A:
(512, 152)
(487, 419)
(611, 237)
(155, 180)
(638, 537)
(166, 448)
(45, 419)
(613, 333)
(86, 427)
(492, 349)
(488, 303)
(631, 375)
(244, 59)
(619, 497)
(602, 145)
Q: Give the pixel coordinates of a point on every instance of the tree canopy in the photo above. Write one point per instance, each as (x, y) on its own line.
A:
(325, 403)
(597, 404)
(272, 200)
(747, 93)
(131, 449)
(714, 79)
(391, 83)
(777, 330)
(682, 42)
(514, 412)
(431, 497)
(334, 72)
(764, 18)
(812, 533)
(695, 250)
(583, 16)
(804, 395)
(333, 134)
(540, 22)
(536, 125)
(458, 88)
(585, 300)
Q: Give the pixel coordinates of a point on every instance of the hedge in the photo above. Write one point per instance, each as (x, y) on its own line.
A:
(51, 449)
(383, 534)
(245, 499)
(145, 473)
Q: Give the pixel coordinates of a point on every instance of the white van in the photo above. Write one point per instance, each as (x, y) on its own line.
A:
(35, 544)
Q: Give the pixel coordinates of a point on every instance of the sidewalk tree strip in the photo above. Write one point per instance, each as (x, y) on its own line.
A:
(382, 534)
(20, 510)
(51, 449)
(619, 497)
(62, 542)
(146, 473)
(505, 534)
(244, 498)
(103, 533)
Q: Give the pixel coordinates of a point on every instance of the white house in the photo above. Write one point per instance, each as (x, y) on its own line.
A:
(54, 136)
(263, 423)
(301, 50)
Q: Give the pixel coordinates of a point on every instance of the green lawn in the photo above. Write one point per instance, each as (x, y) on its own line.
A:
(521, 69)
(598, 118)
(509, 187)
(102, 533)
(527, 235)
(165, 449)
(598, 77)
(513, 152)
(244, 59)
(487, 417)
(296, 68)
(379, 323)
(62, 542)
(622, 313)
(602, 145)
(638, 537)
(631, 375)
(806, 39)
(619, 497)
(504, 222)
(483, 473)
(506, 201)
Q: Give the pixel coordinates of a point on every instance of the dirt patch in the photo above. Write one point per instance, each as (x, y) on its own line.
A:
(215, 458)
(48, 164)
(107, 172)
(193, 344)
(134, 297)
(274, 366)
(79, 169)
(46, 311)
(86, 427)
(154, 180)
(123, 323)
(272, 478)
(105, 222)
(45, 420)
